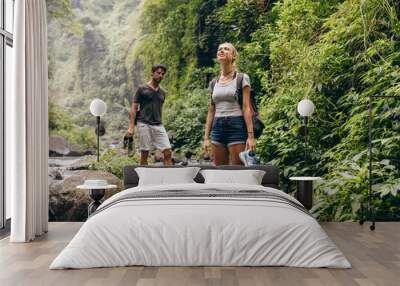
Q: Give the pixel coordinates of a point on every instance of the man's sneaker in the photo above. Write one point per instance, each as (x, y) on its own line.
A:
(131, 148)
(128, 144)
(249, 158)
(125, 141)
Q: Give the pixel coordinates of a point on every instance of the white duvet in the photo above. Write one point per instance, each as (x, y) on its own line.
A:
(200, 231)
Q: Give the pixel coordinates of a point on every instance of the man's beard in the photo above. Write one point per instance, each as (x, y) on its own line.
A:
(158, 80)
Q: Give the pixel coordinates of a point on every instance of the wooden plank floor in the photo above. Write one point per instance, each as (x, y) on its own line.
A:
(375, 257)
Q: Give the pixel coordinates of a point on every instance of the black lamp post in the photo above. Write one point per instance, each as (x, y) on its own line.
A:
(305, 108)
(304, 185)
(98, 108)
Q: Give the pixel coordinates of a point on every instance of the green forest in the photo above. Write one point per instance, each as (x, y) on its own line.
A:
(336, 53)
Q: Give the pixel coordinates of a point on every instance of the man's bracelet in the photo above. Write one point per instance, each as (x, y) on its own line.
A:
(250, 132)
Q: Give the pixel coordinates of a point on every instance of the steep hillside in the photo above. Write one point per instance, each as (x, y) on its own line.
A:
(90, 53)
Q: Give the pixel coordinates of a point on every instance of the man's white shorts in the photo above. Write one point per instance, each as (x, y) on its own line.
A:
(152, 136)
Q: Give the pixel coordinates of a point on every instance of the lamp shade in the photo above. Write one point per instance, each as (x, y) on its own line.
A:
(98, 107)
(305, 107)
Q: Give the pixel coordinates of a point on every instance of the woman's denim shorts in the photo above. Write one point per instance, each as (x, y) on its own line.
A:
(229, 130)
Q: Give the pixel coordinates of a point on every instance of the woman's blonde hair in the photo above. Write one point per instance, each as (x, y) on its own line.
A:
(234, 53)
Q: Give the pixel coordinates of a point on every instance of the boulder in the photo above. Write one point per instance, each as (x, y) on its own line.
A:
(55, 174)
(82, 163)
(58, 146)
(71, 163)
(67, 203)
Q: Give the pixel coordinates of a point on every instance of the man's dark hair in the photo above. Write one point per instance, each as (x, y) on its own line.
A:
(159, 66)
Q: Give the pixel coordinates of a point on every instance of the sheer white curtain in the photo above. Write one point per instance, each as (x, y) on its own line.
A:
(27, 122)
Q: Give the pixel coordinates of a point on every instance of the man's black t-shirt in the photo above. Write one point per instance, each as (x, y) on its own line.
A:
(150, 102)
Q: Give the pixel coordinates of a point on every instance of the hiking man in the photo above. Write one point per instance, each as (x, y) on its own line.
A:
(146, 112)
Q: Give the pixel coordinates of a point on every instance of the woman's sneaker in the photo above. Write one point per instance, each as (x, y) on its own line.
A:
(249, 158)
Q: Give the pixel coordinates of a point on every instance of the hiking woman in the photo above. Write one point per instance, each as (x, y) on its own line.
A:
(228, 122)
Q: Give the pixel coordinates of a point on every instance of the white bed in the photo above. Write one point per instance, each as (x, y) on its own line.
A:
(185, 230)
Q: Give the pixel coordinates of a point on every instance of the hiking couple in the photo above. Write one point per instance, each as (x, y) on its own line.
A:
(229, 126)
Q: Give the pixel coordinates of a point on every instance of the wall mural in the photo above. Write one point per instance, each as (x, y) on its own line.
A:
(335, 53)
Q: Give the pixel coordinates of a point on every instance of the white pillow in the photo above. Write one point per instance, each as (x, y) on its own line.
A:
(248, 177)
(166, 176)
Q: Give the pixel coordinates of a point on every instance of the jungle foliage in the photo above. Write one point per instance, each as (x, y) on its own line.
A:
(336, 53)
(113, 161)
